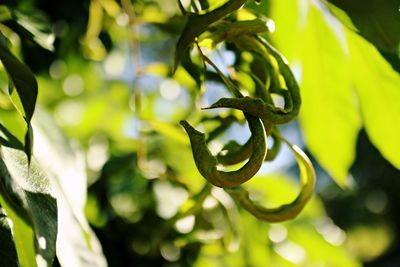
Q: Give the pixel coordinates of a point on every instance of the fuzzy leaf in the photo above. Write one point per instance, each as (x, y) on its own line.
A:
(28, 200)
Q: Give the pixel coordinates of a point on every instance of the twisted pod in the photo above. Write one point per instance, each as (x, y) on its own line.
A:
(271, 75)
(207, 164)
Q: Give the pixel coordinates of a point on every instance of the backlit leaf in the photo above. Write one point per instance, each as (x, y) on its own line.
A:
(378, 89)
(76, 243)
(329, 116)
(378, 21)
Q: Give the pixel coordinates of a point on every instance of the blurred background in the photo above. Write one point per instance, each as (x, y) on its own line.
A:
(105, 90)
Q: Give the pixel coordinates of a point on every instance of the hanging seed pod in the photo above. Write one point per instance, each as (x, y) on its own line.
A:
(286, 211)
(207, 164)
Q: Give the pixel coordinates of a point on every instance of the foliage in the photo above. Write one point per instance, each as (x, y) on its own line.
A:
(96, 168)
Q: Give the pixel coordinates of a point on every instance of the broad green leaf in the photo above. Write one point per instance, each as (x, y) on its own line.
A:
(378, 89)
(27, 187)
(376, 20)
(329, 116)
(77, 245)
(8, 253)
(319, 250)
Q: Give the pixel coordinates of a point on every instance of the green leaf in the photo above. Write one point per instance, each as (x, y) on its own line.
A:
(9, 140)
(377, 86)
(329, 115)
(77, 245)
(170, 131)
(318, 249)
(26, 85)
(5, 13)
(33, 26)
(8, 253)
(25, 186)
(22, 232)
(377, 21)
(22, 78)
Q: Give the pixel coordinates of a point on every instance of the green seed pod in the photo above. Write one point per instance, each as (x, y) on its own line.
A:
(274, 150)
(235, 153)
(207, 164)
(286, 211)
(260, 107)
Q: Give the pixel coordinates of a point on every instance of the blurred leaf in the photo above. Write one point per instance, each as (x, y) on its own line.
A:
(8, 254)
(179, 156)
(5, 13)
(329, 115)
(32, 26)
(287, 211)
(77, 245)
(377, 86)
(26, 186)
(378, 21)
(360, 238)
(111, 7)
(318, 250)
(281, 244)
(170, 131)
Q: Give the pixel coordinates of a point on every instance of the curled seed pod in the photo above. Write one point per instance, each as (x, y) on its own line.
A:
(227, 30)
(207, 164)
(226, 122)
(286, 211)
(286, 97)
(235, 153)
(257, 106)
(274, 150)
(197, 24)
(291, 83)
